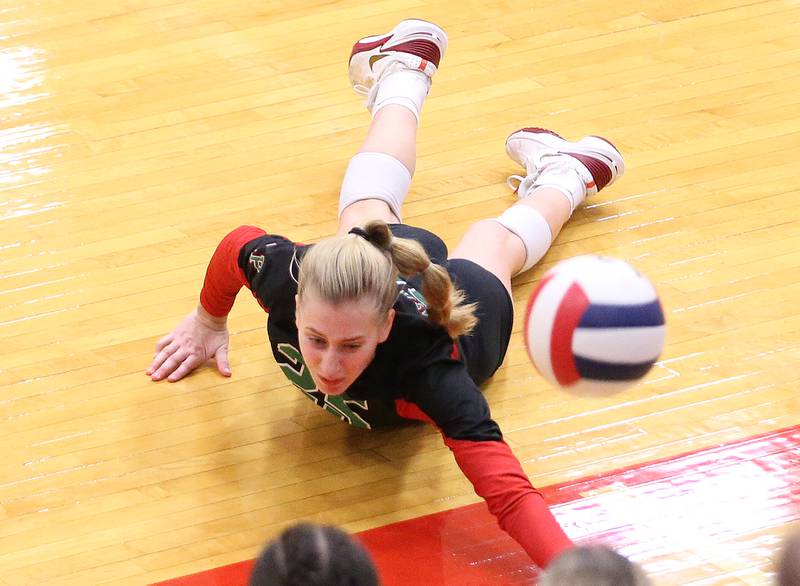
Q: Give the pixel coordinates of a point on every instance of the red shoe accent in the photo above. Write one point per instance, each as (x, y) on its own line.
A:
(360, 47)
(537, 130)
(423, 49)
(601, 172)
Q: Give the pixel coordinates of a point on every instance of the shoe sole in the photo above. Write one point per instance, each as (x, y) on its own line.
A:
(593, 145)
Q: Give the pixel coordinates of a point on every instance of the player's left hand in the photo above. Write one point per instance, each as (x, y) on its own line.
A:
(198, 338)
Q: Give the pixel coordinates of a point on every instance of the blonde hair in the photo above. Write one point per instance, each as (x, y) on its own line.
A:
(365, 265)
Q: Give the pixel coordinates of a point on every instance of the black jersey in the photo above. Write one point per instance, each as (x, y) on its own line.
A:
(418, 363)
(417, 373)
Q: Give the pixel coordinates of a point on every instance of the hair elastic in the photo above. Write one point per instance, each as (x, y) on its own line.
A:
(358, 231)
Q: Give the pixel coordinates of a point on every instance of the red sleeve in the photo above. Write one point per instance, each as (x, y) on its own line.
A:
(519, 508)
(224, 278)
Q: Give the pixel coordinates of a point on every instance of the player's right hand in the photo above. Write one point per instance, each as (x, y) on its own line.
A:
(197, 339)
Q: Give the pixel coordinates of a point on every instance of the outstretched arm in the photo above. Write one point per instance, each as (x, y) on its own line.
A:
(203, 334)
(521, 511)
(448, 398)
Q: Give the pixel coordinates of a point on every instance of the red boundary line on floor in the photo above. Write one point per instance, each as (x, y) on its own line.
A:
(460, 540)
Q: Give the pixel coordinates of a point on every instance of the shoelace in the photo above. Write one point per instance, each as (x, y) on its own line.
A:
(521, 185)
(361, 89)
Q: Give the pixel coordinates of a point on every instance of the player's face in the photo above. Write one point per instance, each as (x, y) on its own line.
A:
(338, 341)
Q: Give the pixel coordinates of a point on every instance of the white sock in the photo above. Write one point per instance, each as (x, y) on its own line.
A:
(562, 176)
(406, 87)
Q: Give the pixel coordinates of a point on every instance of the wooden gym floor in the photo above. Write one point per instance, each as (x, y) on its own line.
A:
(136, 134)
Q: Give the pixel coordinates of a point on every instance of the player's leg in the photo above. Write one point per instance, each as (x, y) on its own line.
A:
(394, 71)
(559, 175)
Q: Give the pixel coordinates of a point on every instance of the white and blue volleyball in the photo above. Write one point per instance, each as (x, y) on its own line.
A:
(594, 325)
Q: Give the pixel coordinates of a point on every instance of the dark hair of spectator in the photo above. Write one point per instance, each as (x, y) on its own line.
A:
(314, 555)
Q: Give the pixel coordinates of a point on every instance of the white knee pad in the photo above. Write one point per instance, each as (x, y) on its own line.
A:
(375, 176)
(530, 227)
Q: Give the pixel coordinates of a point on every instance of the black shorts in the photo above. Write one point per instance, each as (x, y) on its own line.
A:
(485, 348)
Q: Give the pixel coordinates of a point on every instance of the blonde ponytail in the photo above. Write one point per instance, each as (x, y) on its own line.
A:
(366, 263)
(446, 305)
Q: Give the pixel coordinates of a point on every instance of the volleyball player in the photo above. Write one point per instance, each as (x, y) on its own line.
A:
(380, 324)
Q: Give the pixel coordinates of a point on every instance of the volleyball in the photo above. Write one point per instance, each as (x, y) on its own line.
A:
(594, 325)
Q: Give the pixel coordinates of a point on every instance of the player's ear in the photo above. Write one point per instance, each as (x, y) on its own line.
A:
(386, 326)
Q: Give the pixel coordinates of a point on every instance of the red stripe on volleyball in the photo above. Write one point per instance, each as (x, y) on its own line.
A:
(568, 316)
(529, 310)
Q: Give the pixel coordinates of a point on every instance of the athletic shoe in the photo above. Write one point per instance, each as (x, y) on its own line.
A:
(597, 162)
(412, 44)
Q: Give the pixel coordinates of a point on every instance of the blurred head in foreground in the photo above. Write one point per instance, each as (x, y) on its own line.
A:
(593, 565)
(314, 555)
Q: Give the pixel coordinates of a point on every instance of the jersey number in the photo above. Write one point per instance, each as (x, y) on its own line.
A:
(296, 371)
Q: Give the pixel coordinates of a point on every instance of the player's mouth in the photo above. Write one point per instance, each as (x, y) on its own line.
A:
(330, 383)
